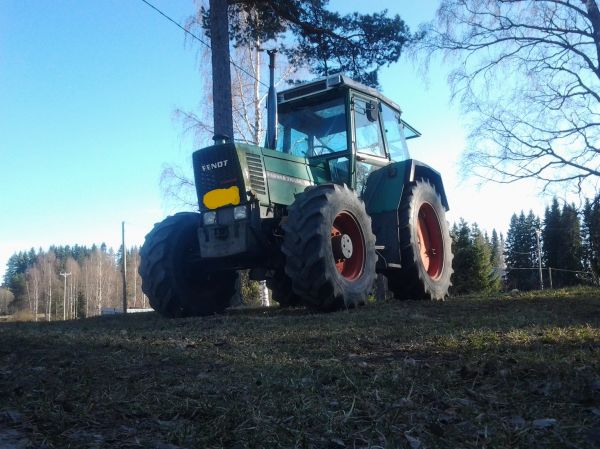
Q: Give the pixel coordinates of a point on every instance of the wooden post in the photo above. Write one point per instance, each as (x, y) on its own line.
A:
(538, 232)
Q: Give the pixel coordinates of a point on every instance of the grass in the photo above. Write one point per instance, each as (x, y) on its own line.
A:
(498, 372)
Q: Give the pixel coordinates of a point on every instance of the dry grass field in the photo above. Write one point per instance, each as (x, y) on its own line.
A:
(502, 372)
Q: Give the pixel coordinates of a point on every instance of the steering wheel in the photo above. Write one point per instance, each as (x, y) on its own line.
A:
(324, 150)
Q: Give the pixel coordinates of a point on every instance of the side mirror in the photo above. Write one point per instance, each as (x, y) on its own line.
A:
(373, 111)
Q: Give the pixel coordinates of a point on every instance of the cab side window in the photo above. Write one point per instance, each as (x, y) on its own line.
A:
(368, 132)
(394, 133)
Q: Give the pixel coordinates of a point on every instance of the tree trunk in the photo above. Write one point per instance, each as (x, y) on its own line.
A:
(594, 15)
(256, 99)
(50, 293)
(221, 73)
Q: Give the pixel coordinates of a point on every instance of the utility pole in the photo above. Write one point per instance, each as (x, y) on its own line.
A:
(538, 233)
(124, 266)
(63, 274)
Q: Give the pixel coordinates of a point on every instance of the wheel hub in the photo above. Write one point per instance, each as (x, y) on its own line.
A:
(348, 246)
(342, 246)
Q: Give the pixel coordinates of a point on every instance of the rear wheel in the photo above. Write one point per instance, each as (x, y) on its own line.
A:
(426, 256)
(172, 276)
(329, 248)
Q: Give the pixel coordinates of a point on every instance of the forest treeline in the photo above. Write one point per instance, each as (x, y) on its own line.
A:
(565, 244)
(566, 241)
(34, 282)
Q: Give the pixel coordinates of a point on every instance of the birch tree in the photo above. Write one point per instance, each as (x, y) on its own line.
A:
(527, 73)
(33, 276)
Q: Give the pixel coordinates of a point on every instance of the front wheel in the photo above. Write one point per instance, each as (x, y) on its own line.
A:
(426, 254)
(172, 275)
(329, 248)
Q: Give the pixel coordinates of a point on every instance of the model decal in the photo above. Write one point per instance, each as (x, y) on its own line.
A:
(286, 178)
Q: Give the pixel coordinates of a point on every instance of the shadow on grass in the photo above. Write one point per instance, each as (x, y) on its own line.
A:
(464, 373)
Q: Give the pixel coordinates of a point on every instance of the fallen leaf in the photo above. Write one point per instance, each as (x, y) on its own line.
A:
(414, 443)
(543, 423)
(518, 422)
(336, 443)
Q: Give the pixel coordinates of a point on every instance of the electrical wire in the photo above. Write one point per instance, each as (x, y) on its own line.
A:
(544, 268)
(185, 30)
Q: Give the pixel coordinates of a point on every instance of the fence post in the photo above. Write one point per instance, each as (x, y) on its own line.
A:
(550, 275)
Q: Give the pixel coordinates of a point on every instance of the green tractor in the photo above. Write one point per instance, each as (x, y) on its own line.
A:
(332, 200)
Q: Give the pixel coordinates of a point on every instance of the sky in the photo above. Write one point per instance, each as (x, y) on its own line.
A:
(88, 91)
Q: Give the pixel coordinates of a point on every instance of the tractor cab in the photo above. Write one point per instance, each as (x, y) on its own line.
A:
(347, 127)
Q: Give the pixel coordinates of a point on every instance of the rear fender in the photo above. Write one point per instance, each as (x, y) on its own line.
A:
(385, 186)
(382, 197)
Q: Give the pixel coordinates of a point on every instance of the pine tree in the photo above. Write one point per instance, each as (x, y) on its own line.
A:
(571, 245)
(591, 233)
(463, 258)
(484, 279)
(473, 271)
(521, 251)
(322, 40)
(552, 239)
(497, 253)
(562, 244)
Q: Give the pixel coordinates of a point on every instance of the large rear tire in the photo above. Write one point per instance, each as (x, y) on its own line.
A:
(329, 248)
(172, 276)
(426, 253)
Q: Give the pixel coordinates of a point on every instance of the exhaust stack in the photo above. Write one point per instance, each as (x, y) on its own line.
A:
(271, 138)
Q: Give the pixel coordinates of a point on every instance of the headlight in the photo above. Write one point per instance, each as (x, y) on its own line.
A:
(209, 218)
(239, 212)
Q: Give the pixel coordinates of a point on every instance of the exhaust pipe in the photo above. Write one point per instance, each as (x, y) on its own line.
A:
(271, 138)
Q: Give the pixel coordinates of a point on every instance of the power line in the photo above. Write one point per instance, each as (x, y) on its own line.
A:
(544, 268)
(185, 30)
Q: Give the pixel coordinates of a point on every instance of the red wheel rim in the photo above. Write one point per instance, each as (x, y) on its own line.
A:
(430, 240)
(346, 225)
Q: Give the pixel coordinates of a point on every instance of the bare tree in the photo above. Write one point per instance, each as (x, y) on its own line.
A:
(6, 297)
(49, 281)
(33, 279)
(528, 72)
(73, 286)
(88, 283)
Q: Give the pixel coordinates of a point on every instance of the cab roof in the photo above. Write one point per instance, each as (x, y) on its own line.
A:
(338, 81)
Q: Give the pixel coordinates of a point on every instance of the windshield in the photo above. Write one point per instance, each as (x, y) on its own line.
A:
(310, 130)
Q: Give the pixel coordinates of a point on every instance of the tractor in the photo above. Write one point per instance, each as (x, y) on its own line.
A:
(332, 200)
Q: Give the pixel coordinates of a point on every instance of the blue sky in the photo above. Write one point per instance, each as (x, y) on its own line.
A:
(87, 95)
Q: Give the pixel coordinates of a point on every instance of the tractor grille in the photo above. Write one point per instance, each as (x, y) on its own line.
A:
(217, 167)
(257, 173)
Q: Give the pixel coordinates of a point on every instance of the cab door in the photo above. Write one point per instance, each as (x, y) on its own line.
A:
(368, 142)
